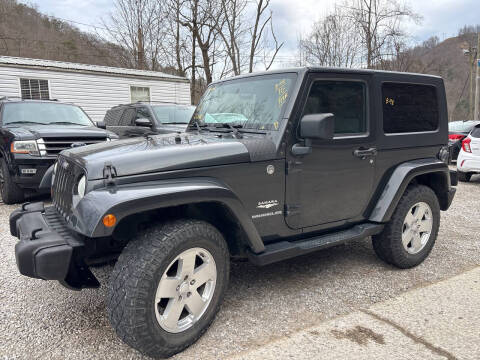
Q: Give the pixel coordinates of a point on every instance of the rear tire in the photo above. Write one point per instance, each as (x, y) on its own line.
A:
(464, 177)
(404, 241)
(11, 193)
(143, 291)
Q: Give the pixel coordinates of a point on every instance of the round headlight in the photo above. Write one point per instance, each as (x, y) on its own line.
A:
(81, 186)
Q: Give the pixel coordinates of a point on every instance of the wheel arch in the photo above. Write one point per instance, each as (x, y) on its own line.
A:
(200, 198)
(430, 172)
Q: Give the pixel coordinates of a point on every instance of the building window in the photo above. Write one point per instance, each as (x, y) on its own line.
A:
(139, 93)
(409, 108)
(34, 89)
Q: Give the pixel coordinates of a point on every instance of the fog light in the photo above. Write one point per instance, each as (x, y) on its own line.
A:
(109, 220)
(28, 171)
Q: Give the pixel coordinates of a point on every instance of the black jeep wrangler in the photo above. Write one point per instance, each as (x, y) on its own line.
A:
(272, 166)
(32, 134)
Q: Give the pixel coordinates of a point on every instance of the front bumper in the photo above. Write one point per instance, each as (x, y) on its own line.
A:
(29, 164)
(47, 248)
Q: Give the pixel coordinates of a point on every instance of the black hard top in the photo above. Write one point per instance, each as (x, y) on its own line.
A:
(316, 69)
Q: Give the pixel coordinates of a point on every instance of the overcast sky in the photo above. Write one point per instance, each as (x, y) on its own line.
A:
(442, 18)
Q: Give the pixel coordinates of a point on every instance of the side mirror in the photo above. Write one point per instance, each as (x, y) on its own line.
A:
(314, 126)
(317, 126)
(143, 122)
(101, 124)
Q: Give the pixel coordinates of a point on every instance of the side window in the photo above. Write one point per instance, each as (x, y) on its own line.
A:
(143, 112)
(128, 117)
(113, 116)
(344, 99)
(409, 108)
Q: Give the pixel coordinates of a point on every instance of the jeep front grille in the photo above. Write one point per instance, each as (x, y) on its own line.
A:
(66, 176)
(53, 145)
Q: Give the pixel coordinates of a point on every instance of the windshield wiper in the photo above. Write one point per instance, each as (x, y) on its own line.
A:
(24, 122)
(175, 123)
(234, 129)
(197, 125)
(65, 123)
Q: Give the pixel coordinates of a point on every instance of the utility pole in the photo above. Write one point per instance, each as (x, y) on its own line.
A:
(471, 60)
(476, 114)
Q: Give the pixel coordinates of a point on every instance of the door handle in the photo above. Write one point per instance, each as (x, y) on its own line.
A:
(363, 153)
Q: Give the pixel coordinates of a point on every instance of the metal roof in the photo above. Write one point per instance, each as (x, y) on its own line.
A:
(67, 66)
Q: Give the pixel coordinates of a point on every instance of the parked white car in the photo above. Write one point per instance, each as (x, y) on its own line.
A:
(468, 162)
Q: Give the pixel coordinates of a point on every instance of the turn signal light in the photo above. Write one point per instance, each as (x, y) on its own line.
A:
(109, 220)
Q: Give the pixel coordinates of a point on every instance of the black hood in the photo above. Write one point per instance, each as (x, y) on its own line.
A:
(28, 132)
(170, 152)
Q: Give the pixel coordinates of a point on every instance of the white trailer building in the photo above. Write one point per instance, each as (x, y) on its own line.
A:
(95, 88)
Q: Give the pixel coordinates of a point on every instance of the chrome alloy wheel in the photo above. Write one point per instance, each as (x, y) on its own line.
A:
(185, 290)
(417, 227)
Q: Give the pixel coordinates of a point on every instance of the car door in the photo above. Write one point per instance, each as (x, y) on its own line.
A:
(333, 183)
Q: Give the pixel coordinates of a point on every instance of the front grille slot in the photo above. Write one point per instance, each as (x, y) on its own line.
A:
(53, 145)
(66, 177)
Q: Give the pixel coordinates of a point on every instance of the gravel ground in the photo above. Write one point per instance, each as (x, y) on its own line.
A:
(41, 319)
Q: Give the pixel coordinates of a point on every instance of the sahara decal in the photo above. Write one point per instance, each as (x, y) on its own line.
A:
(267, 204)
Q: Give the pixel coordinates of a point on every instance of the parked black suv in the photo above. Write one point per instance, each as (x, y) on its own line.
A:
(32, 133)
(272, 166)
(140, 118)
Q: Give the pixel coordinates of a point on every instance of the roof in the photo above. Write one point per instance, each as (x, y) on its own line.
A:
(17, 99)
(67, 66)
(306, 69)
(153, 103)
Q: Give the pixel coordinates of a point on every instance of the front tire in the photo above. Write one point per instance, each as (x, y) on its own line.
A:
(11, 193)
(408, 238)
(167, 286)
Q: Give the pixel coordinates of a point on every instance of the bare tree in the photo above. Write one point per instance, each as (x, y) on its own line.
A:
(258, 34)
(137, 25)
(233, 33)
(201, 18)
(333, 41)
(379, 24)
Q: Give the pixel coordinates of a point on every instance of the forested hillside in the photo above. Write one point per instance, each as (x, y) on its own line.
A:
(450, 60)
(25, 32)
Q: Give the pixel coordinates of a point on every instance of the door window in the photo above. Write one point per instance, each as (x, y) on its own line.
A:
(143, 113)
(345, 100)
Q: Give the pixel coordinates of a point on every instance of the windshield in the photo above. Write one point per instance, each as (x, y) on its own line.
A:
(251, 103)
(44, 114)
(173, 114)
(461, 126)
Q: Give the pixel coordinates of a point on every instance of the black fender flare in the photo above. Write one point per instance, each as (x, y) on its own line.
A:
(399, 180)
(46, 182)
(128, 199)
